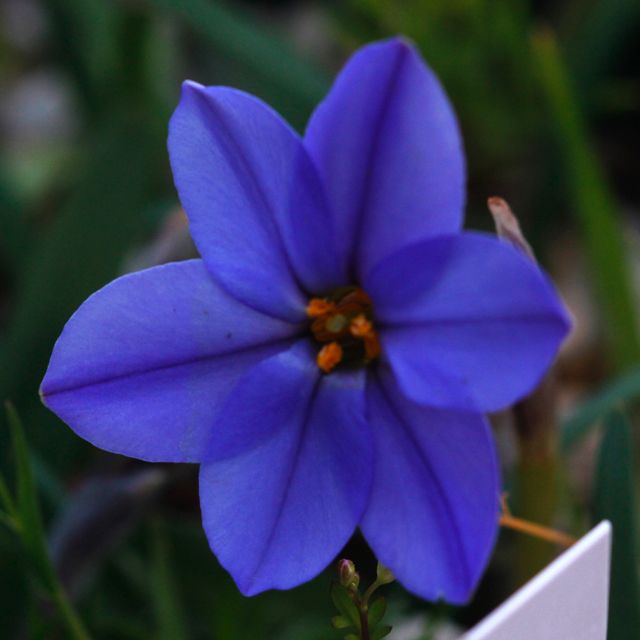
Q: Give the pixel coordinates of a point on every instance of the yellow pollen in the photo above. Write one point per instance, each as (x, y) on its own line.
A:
(329, 356)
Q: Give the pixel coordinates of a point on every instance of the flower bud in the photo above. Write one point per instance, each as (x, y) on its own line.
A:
(348, 575)
(384, 575)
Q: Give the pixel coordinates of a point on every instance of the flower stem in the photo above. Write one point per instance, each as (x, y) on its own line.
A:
(364, 624)
(363, 607)
(358, 605)
(368, 593)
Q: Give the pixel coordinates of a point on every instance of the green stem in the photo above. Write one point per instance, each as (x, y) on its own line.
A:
(595, 208)
(363, 607)
(368, 593)
(364, 624)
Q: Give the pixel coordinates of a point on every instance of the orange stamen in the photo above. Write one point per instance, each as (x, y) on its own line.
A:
(531, 528)
(319, 307)
(329, 356)
(336, 321)
(361, 327)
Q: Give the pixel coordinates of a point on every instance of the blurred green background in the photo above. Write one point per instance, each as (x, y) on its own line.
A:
(548, 95)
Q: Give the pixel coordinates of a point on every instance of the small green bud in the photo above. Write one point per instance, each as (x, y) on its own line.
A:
(384, 575)
(348, 575)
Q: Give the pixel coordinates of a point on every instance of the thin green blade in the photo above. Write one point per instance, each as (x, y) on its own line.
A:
(614, 500)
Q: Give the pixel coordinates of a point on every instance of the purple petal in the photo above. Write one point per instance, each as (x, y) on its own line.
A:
(144, 364)
(256, 208)
(277, 514)
(433, 511)
(388, 147)
(467, 322)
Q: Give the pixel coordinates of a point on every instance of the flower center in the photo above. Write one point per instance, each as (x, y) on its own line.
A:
(343, 324)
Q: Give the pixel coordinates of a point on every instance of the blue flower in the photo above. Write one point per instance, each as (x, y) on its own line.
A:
(329, 359)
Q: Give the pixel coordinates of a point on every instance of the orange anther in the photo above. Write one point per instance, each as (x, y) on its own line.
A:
(361, 327)
(342, 323)
(329, 356)
(319, 307)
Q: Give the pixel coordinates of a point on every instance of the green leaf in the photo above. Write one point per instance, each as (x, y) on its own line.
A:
(351, 636)
(80, 252)
(596, 210)
(344, 604)
(381, 632)
(27, 506)
(614, 500)
(622, 390)
(85, 40)
(170, 624)
(31, 529)
(10, 522)
(16, 234)
(340, 622)
(601, 33)
(376, 612)
(297, 83)
(6, 499)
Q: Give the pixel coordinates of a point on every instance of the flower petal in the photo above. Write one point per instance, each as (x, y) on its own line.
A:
(143, 365)
(277, 514)
(256, 207)
(389, 150)
(467, 322)
(433, 511)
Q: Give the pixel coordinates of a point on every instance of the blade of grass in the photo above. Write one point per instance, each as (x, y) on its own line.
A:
(615, 500)
(592, 201)
(6, 499)
(601, 32)
(81, 251)
(31, 529)
(27, 507)
(622, 390)
(15, 235)
(85, 41)
(9, 522)
(254, 47)
(170, 624)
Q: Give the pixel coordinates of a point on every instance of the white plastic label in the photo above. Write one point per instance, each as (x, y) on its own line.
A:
(566, 601)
